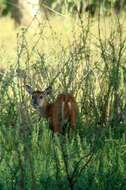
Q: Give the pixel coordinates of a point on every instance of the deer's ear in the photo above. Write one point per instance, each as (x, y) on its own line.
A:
(48, 90)
(29, 89)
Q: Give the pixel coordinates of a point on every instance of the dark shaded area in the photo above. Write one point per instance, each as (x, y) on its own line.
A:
(16, 13)
(91, 9)
(13, 7)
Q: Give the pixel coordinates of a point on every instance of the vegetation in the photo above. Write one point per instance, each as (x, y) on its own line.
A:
(69, 6)
(79, 55)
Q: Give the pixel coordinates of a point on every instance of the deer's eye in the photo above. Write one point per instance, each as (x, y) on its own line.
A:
(41, 97)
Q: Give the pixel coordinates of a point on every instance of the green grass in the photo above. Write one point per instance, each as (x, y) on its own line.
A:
(86, 58)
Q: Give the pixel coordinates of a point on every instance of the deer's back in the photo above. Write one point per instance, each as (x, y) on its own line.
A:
(65, 104)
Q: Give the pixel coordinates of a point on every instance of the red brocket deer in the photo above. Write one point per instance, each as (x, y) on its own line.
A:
(60, 112)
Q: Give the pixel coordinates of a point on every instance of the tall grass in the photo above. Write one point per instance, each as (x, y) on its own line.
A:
(92, 67)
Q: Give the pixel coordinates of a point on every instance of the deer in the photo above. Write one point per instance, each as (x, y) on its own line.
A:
(60, 113)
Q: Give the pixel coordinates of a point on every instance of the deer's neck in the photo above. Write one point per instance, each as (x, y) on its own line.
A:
(46, 110)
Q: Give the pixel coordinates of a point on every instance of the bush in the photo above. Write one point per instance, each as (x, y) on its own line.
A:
(93, 69)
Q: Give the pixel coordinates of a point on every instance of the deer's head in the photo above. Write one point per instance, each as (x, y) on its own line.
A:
(38, 97)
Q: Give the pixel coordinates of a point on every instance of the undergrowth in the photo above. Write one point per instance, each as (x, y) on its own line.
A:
(92, 68)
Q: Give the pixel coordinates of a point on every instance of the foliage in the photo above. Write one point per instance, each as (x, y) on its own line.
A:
(90, 66)
(69, 6)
